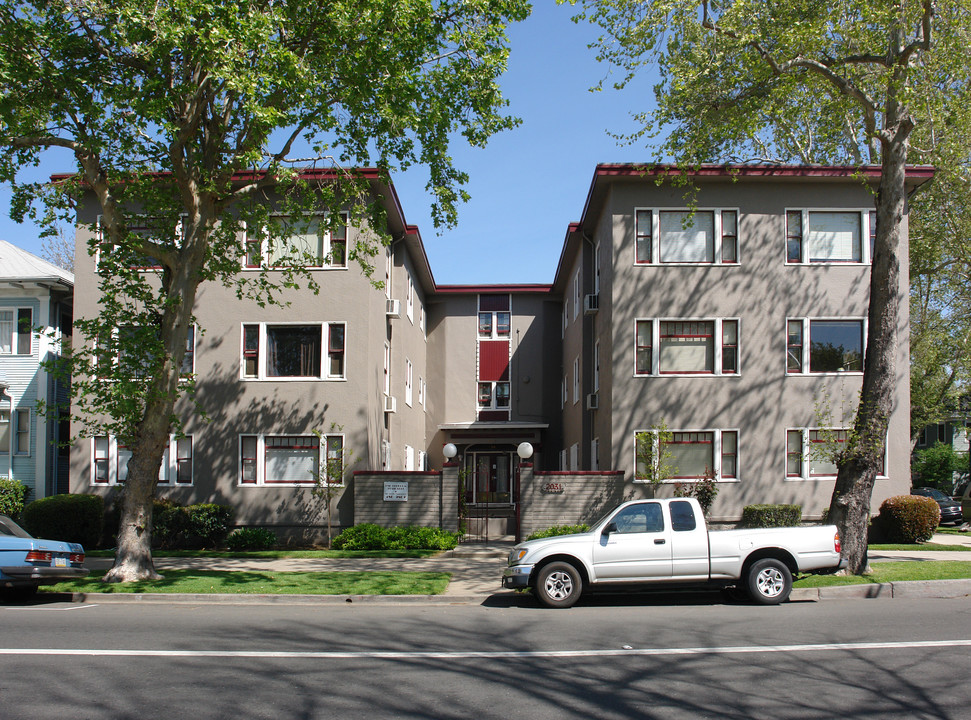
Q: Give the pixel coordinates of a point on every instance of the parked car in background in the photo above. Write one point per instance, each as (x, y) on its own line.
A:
(27, 562)
(950, 508)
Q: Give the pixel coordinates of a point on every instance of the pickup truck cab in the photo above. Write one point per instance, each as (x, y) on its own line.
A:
(667, 542)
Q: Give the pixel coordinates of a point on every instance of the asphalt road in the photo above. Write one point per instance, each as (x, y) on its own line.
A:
(660, 656)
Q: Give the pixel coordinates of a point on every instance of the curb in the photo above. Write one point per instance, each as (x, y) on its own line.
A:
(939, 589)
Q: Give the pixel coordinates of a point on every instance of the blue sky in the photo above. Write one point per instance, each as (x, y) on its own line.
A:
(528, 183)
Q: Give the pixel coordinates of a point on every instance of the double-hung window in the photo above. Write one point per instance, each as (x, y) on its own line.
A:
(811, 453)
(15, 432)
(409, 382)
(15, 331)
(130, 351)
(829, 236)
(705, 236)
(686, 347)
(494, 317)
(493, 352)
(283, 351)
(688, 454)
(290, 460)
(300, 241)
(110, 456)
(824, 345)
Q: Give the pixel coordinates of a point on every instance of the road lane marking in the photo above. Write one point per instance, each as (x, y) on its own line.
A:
(498, 654)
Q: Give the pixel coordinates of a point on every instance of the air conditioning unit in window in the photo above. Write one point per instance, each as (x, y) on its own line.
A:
(390, 404)
(593, 401)
(393, 309)
(591, 303)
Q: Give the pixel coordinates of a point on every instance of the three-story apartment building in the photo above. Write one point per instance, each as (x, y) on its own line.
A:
(730, 323)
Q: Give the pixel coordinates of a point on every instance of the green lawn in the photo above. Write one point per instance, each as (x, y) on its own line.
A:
(278, 554)
(884, 572)
(243, 582)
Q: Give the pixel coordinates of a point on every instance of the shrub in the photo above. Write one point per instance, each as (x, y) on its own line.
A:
(936, 465)
(368, 536)
(251, 538)
(559, 530)
(190, 527)
(13, 495)
(908, 518)
(764, 516)
(704, 491)
(72, 518)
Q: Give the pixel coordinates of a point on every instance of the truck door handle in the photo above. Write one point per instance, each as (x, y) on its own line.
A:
(659, 541)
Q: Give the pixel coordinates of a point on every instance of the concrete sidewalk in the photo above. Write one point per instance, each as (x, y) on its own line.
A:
(476, 572)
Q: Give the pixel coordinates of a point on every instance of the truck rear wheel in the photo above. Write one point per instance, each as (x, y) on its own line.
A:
(558, 585)
(769, 581)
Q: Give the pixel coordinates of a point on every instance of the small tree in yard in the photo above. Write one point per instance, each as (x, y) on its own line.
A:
(847, 82)
(181, 119)
(329, 478)
(652, 454)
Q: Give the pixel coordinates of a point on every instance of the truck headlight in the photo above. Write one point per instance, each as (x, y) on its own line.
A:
(517, 555)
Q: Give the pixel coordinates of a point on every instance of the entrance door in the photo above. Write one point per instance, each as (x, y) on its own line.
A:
(492, 478)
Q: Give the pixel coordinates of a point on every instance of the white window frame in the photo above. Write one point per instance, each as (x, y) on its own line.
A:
(575, 457)
(409, 380)
(261, 359)
(867, 227)
(494, 333)
(718, 236)
(409, 458)
(410, 299)
(806, 322)
(596, 268)
(422, 322)
(388, 267)
(596, 366)
(168, 471)
(386, 454)
(576, 380)
(260, 459)
(805, 461)
(717, 453)
(20, 419)
(595, 454)
(493, 395)
(422, 465)
(576, 294)
(387, 369)
(326, 247)
(718, 342)
(15, 333)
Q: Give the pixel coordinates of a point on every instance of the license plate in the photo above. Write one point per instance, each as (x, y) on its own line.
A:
(60, 562)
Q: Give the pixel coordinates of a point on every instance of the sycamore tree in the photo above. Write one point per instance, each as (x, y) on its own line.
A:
(835, 81)
(181, 118)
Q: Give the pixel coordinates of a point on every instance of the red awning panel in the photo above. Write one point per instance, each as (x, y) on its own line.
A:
(494, 360)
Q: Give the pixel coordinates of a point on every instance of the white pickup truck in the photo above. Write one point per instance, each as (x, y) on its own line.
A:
(667, 542)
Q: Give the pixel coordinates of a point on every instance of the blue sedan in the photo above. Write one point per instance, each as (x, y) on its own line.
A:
(27, 562)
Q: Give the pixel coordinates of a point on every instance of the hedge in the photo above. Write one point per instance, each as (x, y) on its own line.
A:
(251, 538)
(72, 518)
(765, 516)
(190, 527)
(13, 495)
(368, 536)
(559, 530)
(908, 518)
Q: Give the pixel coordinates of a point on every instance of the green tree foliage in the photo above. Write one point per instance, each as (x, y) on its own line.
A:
(182, 118)
(935, 467)
(813, 81)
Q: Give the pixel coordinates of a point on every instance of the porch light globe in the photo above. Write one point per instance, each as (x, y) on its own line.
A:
(525, 451)
(450, 451)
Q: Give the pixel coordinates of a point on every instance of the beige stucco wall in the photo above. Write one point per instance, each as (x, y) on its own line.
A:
(762, 291)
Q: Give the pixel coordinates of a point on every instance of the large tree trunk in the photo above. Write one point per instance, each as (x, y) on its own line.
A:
(850, 505)
(133, 555)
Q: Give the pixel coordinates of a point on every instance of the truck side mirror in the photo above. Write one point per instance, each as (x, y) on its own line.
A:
(609, 528)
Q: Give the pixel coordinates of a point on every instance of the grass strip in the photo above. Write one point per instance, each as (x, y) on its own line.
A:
(885, 572)
(278, 554)
(248, 582)
(921, 547)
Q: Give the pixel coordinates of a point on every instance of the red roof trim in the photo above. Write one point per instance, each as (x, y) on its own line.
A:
(635, 170)
(476, 289)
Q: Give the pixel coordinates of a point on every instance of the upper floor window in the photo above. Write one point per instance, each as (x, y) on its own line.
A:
(410, 299)
(686, 347)
(293, 351)
(15, 331)
(830, 236)
(824, 345)
(494, 316)
(305, 240)
(493, 395)
(683, 237)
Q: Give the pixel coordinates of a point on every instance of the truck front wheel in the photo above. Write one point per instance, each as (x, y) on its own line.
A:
(558, 585)
(769, 581)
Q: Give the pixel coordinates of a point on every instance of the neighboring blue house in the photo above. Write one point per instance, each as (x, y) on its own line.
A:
(36, 300)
